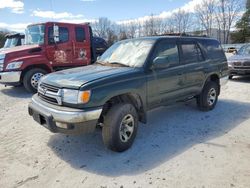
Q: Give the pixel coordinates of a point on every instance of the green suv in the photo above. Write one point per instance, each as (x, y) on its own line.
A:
(129, 79)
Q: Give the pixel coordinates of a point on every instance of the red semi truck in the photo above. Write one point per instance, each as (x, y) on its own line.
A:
(49, 47)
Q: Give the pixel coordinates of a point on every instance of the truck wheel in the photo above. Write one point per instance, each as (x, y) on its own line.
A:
(230, 77)
(120, 127)
(31, 78)
(208, 98)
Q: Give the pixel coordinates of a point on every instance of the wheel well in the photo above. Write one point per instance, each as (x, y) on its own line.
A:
(215, 78)
(41, 66)
(131, 98)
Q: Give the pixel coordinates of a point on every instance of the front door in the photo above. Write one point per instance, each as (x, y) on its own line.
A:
(164, 82)
(59, 53)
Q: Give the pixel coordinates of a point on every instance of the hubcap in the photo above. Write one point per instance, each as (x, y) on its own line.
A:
(127, 127)
(211, 98)
(35, 78)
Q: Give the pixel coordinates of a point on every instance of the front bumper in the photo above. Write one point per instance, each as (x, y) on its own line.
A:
(63, 119)
(10, 78)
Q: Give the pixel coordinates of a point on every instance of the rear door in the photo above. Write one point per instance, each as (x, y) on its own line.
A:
(81, 46)
(193, 61)
(163, 84)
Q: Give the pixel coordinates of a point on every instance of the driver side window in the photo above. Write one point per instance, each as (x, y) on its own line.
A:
(63, 35)
(168, 51)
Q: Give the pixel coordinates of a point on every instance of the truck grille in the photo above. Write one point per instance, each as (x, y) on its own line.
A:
(50, 94)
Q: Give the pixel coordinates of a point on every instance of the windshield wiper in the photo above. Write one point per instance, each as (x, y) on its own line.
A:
(106, 63)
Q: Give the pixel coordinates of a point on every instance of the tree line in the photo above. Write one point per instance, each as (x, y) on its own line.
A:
(207, 16)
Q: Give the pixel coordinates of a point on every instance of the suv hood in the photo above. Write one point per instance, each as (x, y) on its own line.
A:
(76, 77)
(239, 58)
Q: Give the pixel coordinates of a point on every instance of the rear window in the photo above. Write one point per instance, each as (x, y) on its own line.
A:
(191, 53)
(80, 34)
(213, 48)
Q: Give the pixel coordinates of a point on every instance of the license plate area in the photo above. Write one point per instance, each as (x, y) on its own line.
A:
(40, 119)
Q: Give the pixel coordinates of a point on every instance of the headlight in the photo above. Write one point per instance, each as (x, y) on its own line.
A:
(75, 96)
(14, 65)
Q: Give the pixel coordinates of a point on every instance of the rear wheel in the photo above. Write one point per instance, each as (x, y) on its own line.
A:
(208, 98)
(120, 127)
(31, 78)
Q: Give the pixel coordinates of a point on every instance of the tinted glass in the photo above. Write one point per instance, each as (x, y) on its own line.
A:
(63, 35)
(168, 51)
(191, 53)
(214, 50)
(80, 34)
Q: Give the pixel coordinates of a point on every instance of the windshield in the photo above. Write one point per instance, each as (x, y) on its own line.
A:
(132, 53)
(34, 34)
(244, 50)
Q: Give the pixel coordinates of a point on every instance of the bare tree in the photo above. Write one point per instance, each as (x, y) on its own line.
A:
(226, 14)
(205, 13)
(181, 20)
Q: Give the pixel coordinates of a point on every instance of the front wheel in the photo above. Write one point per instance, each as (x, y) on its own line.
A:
(120, 127)
(230, 77)
(31, 78)
(208, 98)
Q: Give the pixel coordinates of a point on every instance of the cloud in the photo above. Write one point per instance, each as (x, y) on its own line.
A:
(20, 27)
(16, 7)
(188, 7)
(77, 21)
(55, 15)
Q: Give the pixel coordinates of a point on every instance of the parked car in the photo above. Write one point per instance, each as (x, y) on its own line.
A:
(12, 40)
(130, 78)
(49, 47)
(239, 64)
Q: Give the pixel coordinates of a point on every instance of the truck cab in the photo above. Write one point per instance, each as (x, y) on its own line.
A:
(48, 47)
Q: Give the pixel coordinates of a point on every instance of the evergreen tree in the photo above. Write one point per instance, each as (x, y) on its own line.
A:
(243, 27)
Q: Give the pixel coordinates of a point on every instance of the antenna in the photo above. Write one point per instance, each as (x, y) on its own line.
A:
(52, 8)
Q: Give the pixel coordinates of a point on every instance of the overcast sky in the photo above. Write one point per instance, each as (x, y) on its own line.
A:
(16, 14)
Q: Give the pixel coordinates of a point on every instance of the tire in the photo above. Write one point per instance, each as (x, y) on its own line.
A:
(31, 78)
(207, 100)
(230, 77)
(115, 134)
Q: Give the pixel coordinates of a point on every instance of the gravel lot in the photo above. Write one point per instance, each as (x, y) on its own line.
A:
(178, 147)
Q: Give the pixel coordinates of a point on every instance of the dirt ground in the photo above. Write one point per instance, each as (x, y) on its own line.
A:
(178, 147)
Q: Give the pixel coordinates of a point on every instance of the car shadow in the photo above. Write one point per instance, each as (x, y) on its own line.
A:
(245, 79)
(169, 132)
(17, 92)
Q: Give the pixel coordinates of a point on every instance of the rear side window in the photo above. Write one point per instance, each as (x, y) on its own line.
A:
(191, 53)
(213, 48)
(168, 51)
(63, 35)
(80, 34)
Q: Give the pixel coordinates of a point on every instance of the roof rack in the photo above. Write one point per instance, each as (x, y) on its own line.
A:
(182, 35)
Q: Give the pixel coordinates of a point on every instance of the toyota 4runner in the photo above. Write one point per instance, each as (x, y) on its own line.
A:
(129, 79)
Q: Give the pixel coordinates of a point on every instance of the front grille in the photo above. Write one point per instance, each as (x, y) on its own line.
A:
(50, 94)
(246, 63)
(245, 67)
(47, 99)
(49, 87)
(237, 63)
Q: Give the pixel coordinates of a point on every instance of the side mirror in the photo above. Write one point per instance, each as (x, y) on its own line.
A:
(160, 63)
(56, 33)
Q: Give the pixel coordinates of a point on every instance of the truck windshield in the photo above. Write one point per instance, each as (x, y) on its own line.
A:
(244, 50)
(131, 53)
(34, 34)
(10, 42)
